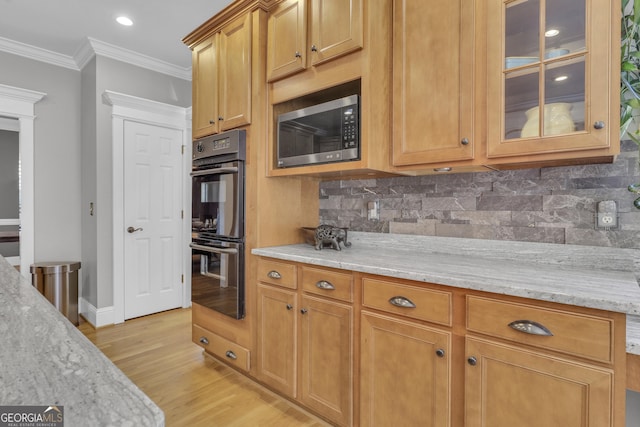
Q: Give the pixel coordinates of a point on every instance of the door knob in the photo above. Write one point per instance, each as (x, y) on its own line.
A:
(133, 230)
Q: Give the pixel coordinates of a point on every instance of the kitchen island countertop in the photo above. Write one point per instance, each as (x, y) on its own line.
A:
(45, 360)
(595, 277)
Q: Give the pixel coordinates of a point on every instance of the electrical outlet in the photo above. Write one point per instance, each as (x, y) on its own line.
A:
(373, 210)
(607, 215)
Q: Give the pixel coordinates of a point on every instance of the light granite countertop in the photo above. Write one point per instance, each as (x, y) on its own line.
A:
(45, 360)
(586, 276)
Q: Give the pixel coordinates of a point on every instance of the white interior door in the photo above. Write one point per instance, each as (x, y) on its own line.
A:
(152, 219)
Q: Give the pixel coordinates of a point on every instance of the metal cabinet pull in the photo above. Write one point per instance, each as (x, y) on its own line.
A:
(298, 55)
(204, 340)
(220, 118)
(599, 124)
(472, 361)
(530, 327)
(440, 352)
(304, 311)
(403, 302)
(231, 355)
(212, 122)
(314, 48)
(289, 307)
(274, 275)
(323, 284)
(464, 141)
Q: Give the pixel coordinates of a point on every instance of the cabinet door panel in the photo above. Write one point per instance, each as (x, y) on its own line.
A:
(287, 39)
(433, 81)
(512, 387)
(205, 88)
(550, 76)
(403, 381)
(277, 338)
(336, 28)
(327, 358)
(235, 73)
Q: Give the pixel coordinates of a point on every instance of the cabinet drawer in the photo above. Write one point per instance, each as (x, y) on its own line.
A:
(411, 301)
(327, 283)
(226, 350)
(277, 273)
(571, 333)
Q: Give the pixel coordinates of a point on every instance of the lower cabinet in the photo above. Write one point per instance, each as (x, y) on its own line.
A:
(305, 347)
(506, 386)
(404, 373)
(434, 356)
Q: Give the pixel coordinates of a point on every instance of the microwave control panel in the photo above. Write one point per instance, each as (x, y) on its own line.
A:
(350, 127)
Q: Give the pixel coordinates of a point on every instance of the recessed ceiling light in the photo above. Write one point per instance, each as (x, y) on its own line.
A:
(561, 78)
(123, 20)
(551, 33)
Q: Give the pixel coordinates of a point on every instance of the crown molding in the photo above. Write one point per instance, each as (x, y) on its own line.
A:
(37, 54)
(129, 56)
(90, 48)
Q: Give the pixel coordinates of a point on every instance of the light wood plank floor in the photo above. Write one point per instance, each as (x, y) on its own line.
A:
(192, 389)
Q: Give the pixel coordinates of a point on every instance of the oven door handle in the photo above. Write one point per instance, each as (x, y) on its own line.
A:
(213, 249)
(217, 171)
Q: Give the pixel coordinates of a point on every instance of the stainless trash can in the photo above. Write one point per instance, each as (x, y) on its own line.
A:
(58, 282)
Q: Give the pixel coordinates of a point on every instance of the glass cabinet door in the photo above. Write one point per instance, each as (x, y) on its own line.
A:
(545, 70)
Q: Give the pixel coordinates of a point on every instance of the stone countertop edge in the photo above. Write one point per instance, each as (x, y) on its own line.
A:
(46, 360)
(586, 276)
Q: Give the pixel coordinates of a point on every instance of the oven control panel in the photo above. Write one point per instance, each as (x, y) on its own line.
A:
(224, 144)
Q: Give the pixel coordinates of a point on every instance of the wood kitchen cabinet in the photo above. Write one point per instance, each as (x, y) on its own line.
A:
(508, 386)
(334, 28)
(405, 365)
(553, 76)
(433, 87)
(404, 373)
(222, 79)
(305, 342)
(528, 376)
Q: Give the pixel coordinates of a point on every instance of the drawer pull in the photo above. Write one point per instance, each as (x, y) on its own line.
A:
(231, 355)
(440, 352)
(403, 302)
(274, 275)
(204, 340)
(472, 361)
(323, 284)
(530, 327)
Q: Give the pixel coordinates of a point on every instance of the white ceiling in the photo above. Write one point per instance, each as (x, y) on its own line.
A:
(64, 26)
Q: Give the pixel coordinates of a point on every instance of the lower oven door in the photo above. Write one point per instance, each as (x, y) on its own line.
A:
(217, 277)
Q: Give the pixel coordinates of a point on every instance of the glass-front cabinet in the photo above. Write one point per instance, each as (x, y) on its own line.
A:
(549, 76)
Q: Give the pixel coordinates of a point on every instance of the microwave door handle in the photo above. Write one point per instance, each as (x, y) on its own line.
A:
(212, 249)
(216, 171)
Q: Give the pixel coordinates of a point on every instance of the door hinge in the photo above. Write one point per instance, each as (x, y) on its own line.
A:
(183, 149)
(182, 214)
(182, 278)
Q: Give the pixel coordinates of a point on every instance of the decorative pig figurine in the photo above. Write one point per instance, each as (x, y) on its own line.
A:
(328, 234)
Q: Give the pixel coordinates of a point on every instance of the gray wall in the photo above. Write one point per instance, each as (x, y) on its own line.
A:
(553, 205)
(57, 154)
(131, 80)
(73, 157)
(9, 194)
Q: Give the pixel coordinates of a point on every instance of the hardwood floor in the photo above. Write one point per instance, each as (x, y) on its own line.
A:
(192, 389)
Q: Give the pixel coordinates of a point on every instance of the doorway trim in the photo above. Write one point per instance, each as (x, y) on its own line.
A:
(132, 108)
(19, 104)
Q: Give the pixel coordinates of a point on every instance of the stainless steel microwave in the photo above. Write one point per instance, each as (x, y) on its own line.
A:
(322, 133)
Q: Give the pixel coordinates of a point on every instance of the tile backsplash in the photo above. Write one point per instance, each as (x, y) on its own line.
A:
(551, 205)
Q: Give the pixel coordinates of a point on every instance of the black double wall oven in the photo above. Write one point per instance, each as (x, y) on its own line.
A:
(218, 222)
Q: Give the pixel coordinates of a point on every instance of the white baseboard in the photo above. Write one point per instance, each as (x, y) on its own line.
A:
(98, 317)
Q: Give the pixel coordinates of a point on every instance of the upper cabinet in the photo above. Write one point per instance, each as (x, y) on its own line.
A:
(299, 36)
(433, 59)
(551, 75)
(222, 79)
